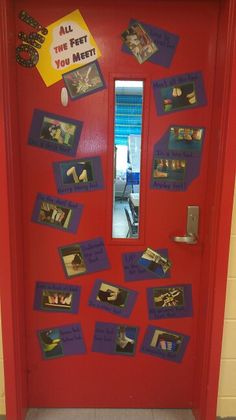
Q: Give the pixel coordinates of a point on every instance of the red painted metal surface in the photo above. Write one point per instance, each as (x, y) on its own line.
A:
(219, 215)
(11, 273)
(96, 380)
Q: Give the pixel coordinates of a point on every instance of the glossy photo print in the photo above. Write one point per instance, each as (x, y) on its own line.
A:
(170, 301)
(56, 299)
(112, 295)
(177, 97)
(115, 339)
(170, 297)
(152, 261)
(187, 139)
(51, 344)
(73, 260)
(139, 42)
(54, 132)
(84, 80)
(126, 338)
(169, 169)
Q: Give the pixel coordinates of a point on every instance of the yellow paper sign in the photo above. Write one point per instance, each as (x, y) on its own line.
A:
(67, 46)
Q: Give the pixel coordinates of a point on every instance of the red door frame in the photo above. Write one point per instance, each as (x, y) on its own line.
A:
(11, 270)
(220, 192)
(221, 187)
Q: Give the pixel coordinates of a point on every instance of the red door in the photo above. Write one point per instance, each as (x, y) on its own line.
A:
(159, 371)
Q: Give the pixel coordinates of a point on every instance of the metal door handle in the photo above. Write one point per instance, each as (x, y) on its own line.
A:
(187, 239)
(191, 237)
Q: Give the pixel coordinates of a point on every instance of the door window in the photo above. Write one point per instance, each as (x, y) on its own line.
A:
(128, 121)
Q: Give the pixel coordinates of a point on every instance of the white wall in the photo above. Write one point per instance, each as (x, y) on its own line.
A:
(227, 388)
(2, 395)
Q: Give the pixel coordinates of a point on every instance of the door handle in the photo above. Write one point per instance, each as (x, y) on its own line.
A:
(187, 239)
(191, 237)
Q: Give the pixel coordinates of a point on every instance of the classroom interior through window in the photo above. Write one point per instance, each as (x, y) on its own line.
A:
(128, 121)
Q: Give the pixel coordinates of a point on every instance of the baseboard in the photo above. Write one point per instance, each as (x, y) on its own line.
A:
(218, 418)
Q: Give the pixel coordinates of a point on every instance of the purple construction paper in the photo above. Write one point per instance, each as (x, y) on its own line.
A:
(36, 139)
(57, 287)
(134, 271)
(104, 340)
(69, 186)
(183, 310)
(124, 311)
(72, 339)
(174, 81)
(164, 40)
(192, 169)
(75, 208)
(71, 343)
(94, 255)
(176, 356)
(105, 336)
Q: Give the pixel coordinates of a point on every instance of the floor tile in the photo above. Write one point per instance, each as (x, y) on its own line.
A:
(172, 415)
(123, 414)
(61, 414)
(107, 414)
(120, 226)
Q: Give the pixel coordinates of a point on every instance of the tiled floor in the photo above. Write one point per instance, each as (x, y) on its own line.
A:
(120, 226)
(106, 414)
